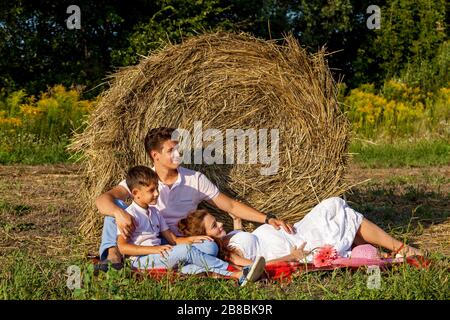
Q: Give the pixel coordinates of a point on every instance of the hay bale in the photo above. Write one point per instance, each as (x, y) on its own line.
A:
(227, 81)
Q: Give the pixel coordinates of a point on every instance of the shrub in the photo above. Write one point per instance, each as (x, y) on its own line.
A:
(33, 126)
(397, 110)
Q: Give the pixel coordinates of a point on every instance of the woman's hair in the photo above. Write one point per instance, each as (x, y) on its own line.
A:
(194, 225)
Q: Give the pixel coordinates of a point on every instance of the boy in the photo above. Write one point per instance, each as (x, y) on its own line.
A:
(144, 245)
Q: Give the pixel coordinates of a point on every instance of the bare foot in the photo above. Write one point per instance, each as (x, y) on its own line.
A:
(408, 251)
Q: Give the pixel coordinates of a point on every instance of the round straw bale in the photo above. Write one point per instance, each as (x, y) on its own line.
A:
(225, 81)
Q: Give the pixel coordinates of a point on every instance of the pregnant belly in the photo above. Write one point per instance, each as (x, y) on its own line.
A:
(274, 243)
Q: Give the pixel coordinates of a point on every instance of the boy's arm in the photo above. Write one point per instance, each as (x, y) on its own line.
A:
(129, 249)
(173, 239)
(245, 212)
(105, 204)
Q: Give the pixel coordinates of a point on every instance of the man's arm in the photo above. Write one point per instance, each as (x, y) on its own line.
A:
(245, 212)
(105, 204)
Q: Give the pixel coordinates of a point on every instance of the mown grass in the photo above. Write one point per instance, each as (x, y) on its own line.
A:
(26, 277)
(38, 270)
(403, 210)
(401, 154)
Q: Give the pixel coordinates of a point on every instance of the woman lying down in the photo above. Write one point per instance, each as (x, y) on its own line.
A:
(330, 223)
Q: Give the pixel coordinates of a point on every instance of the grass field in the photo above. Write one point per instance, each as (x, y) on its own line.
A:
(39, 217)
(29, 278)
(422, 153)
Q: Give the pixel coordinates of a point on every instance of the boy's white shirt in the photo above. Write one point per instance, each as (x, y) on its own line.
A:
(175, 203)
(149, 224)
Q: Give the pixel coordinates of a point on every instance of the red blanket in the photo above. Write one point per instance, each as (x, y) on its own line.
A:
(283, 271)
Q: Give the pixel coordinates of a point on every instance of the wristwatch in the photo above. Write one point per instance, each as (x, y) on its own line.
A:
(269, 216)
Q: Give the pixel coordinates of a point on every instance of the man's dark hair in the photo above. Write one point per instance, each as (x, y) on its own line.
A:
(141, 176)
(156, 137)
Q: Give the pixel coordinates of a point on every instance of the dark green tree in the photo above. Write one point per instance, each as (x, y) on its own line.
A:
(37, 49)
(173, 21)
(409, 40)
(340, 26)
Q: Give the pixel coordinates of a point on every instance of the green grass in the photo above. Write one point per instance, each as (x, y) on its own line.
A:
(401, 154)
(31, 273)
(26, 277)
(26, 150)
(419, 154)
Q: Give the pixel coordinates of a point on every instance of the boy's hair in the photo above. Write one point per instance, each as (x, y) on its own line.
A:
(156, 137)
(141, 176)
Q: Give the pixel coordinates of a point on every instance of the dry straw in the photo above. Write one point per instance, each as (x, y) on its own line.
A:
(227, 81)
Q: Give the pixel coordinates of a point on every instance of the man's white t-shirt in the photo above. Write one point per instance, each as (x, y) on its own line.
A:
(175, 203)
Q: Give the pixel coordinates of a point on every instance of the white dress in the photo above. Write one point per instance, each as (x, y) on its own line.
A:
(331, 222)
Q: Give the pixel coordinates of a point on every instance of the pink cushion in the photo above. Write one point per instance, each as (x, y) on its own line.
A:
(365, 251)
(363, 255)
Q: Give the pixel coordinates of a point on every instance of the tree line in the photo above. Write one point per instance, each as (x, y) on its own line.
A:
(37, 49)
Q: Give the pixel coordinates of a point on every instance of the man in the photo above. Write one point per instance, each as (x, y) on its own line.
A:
(180, 189)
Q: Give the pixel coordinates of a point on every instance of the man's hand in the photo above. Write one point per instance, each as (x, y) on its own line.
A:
(279, 223)
(125, 223)
(298, 253)
(199, 239)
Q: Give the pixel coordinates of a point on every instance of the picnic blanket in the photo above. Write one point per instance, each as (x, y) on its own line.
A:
(283, 271)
